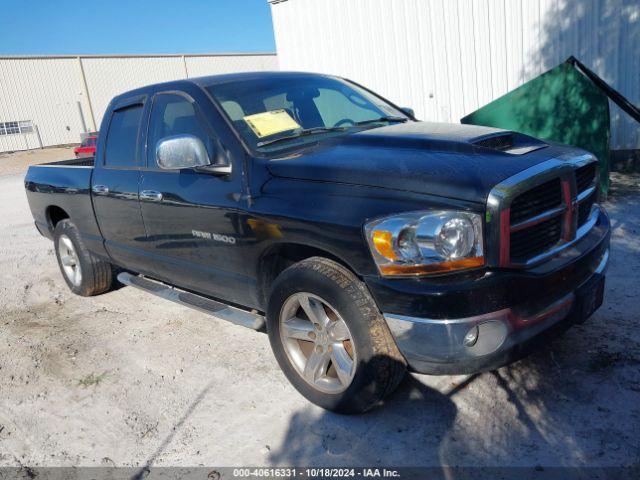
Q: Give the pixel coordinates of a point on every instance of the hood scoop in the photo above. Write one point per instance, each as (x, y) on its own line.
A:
(509, 142)
(470, 139)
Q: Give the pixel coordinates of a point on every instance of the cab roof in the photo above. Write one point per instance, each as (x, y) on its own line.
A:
(210, 80)
(239, 77)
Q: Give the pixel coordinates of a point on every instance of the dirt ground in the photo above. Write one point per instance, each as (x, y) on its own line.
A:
(17, 163)
(127, 379)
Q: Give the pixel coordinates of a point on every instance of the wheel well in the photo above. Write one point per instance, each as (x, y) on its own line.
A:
(278, 258)
(54, 215)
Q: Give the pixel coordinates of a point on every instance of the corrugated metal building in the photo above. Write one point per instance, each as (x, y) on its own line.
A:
(446, 58)
(52, 100)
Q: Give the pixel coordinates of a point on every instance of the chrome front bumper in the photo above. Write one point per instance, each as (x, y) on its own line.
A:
(438, 346)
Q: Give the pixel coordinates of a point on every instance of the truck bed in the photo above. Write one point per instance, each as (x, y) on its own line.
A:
(62, 188)
(73, 162)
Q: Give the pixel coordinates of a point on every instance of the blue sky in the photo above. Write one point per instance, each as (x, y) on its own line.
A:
(40, 27)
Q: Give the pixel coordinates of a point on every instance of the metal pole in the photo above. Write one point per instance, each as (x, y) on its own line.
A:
(184, 64)
(35, 127)
(85, 91)
(84, 125)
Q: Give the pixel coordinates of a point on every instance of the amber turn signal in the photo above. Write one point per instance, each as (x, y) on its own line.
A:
(383, 242)
(431, 268)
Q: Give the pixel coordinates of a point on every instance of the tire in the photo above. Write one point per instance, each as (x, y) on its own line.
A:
(326, 287)
(85, 273)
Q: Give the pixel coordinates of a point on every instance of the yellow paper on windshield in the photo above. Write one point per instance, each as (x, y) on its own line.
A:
(269, 123)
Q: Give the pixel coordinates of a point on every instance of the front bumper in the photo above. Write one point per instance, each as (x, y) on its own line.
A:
(532, 305)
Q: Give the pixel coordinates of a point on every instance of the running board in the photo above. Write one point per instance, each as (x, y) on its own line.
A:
(220, 310)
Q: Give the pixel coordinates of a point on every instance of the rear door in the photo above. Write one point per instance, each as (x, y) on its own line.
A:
(116, 180)
(192, 218)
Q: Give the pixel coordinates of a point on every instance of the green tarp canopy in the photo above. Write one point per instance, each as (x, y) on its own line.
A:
(561, 105)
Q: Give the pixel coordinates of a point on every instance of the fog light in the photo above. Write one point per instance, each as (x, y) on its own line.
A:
(471, 337)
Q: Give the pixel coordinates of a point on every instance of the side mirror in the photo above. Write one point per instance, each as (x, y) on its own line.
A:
(409, 111)
(216, 169)
(181, 151)
(221, 164)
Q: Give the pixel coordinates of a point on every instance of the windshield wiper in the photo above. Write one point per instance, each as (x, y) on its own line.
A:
(388, 118)
(311, 131)
(302, 133)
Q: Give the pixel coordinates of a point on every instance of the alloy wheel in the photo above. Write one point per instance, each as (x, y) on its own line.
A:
(69, 260)
(318, 342)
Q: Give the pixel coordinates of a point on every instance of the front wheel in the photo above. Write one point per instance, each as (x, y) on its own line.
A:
(84, 273)
(330, 339)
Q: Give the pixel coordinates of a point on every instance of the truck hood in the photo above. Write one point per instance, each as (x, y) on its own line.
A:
(457, 161)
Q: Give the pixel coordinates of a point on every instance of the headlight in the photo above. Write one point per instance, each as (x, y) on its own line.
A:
(422, 243)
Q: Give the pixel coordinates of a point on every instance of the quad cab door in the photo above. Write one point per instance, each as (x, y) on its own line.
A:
(115, 182)
(193, 217)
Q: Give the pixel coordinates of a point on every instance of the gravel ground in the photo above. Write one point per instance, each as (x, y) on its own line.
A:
(17, 163)
(127, 379)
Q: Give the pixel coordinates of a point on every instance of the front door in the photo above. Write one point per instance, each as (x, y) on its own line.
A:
(192, 218)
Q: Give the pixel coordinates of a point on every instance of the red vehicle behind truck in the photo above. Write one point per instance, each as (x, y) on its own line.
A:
(87, 148)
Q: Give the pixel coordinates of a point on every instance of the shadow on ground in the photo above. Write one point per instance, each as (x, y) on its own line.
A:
(527, 414)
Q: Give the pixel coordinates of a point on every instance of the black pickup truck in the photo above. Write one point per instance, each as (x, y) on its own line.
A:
(362, 240)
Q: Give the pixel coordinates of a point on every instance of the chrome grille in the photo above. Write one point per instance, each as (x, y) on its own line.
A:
(540, 211)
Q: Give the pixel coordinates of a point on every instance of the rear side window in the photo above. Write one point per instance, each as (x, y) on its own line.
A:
(122, 138)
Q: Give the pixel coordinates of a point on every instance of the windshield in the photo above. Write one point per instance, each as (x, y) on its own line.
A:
(272, 114)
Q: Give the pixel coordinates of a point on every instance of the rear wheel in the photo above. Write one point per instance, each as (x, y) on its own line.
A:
(85, 273)
(330, 338)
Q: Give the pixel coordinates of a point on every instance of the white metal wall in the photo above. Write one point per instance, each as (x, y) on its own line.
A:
(47, 90)
(446, 58)
(44, 91)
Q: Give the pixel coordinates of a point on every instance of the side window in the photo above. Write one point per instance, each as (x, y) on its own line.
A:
(122, 138)
(174, 115)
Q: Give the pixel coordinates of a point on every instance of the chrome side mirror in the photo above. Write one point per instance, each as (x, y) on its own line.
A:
(181, 151)
(216, 169)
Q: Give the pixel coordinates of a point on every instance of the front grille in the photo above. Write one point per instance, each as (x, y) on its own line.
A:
(584, 209)
(532, 241)
(585, 177)
(536, 201)
(535, 222)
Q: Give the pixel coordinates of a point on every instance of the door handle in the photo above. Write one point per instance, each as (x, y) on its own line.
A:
(100, 189)
(151, 195)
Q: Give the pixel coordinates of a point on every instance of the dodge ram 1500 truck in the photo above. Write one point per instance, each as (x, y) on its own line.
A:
(362, 240)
